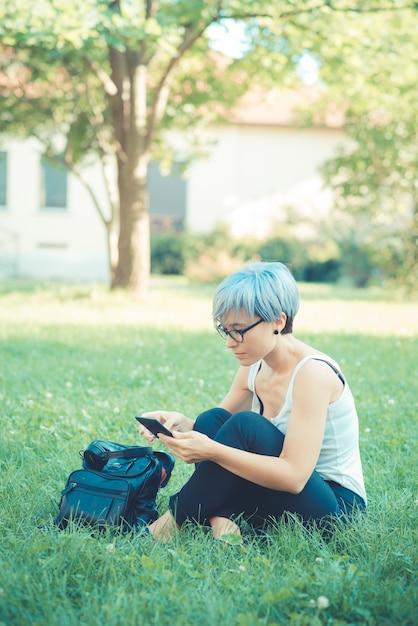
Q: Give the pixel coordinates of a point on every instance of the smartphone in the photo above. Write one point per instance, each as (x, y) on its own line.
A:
(153, 425)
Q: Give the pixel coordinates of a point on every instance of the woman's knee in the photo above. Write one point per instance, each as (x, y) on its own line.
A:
(210, 421)
(253, 432)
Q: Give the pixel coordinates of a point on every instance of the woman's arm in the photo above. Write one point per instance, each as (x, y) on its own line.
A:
(314, 385)
(239, 397)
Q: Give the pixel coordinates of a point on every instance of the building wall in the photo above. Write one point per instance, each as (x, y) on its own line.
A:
(46, 242)
(252, 174)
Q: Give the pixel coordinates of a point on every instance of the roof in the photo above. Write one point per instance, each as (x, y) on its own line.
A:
(280, 107)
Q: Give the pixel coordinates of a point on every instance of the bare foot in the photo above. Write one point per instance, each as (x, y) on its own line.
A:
(164, 528)
(223, 528)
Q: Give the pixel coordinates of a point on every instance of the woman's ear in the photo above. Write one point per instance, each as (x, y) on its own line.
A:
(279, 324)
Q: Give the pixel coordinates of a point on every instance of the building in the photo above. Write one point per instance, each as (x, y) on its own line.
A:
(261, 165)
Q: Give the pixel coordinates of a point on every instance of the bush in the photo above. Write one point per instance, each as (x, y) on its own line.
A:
(210, 257)
(322, 271)
(168, 253)
(289, 251)
(356, 262)
(206, 258)
(213, 265)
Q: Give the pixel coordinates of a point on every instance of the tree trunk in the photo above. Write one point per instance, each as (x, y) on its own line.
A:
(135, 120)
(111, 247)
(140, 273)
(133, 265)
(129, 112)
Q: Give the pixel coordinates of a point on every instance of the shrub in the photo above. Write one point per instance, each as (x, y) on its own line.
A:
(289, 251)
(212, 256)
(356, 262)
(168, 253)
(328, 271)
(213, 265)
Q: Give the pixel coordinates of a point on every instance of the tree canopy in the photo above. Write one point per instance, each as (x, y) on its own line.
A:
(373, 77)
(114, 75)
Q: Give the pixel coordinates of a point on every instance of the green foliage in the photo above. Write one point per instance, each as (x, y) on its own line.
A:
(209, 258)
(168, 253)
(287, 250)
(81, 362)
(357, 260)
(58, 74)
(373, 79)
(183, 253)
(115, 76)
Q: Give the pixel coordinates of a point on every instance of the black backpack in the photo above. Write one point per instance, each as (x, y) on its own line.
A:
(116, 487)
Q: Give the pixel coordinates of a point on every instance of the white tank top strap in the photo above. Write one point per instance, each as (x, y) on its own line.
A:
(252, 374)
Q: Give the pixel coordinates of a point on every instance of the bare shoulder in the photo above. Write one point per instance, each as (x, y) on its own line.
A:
(317, 366)
(316, 373)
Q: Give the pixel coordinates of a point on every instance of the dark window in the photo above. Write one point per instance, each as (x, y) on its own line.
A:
(3, 178)
(54, 185)
(167, 199)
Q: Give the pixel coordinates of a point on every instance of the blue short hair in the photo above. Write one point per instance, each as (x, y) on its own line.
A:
(266, 289)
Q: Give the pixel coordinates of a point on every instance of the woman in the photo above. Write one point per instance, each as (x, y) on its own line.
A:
(285, 437)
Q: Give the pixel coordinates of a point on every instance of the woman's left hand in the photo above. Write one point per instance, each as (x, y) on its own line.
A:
(191, 447)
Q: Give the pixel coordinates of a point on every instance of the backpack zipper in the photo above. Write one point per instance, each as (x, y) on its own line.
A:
(73, 485)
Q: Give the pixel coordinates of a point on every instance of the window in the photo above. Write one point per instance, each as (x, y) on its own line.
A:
(3, 179)
(54, 185)
(167, 199)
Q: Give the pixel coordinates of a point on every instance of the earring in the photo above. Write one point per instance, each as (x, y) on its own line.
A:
(275, 332)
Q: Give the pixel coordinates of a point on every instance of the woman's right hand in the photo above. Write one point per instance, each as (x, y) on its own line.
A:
(173, 420)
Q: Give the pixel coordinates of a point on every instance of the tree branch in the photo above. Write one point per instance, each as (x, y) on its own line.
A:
(107, 82)
(163, 88)
(356, 8)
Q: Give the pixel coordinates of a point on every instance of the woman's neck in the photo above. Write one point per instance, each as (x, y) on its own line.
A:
(288, 352)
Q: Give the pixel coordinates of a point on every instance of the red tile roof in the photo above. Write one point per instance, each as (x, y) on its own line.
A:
(280, 107)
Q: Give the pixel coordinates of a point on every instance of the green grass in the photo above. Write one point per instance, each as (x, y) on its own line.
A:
(78, 363)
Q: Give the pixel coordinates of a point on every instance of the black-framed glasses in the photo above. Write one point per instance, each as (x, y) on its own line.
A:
(237, 335)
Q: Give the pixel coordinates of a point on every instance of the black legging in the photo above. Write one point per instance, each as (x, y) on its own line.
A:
(214, 491)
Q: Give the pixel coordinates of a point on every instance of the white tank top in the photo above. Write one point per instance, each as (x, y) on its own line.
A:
(339, 459)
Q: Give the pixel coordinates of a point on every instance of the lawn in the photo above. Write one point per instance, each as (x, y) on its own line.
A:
(78, 362)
